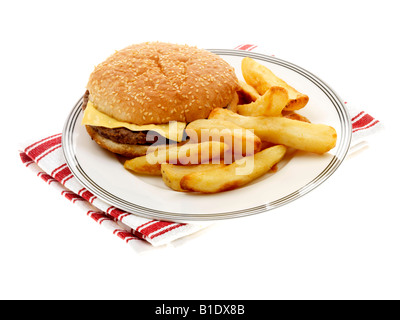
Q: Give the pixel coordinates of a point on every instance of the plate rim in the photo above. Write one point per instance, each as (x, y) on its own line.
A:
(332, 166)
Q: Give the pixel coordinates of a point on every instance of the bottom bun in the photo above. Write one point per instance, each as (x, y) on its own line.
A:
(126, 150)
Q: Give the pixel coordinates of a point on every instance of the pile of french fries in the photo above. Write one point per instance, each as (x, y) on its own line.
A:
(237, 145)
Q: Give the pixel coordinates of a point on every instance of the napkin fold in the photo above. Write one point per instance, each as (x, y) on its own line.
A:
(46, 159)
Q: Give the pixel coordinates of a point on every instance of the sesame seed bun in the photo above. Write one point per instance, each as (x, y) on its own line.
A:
(156, 82)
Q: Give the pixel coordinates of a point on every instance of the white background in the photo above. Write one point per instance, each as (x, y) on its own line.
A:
(341, 241)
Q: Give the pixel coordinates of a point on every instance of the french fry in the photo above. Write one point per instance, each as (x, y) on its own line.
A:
(262, 78)
(141, 165)
(247, 92)
(173, 173)
(271, 103)
(234, 175)
(190, 153)
(317, 138)
(240, 141)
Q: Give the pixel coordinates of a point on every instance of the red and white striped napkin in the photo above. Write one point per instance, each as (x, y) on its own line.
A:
(46, 159)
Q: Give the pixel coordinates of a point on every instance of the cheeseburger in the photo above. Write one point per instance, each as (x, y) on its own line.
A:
(148, 92)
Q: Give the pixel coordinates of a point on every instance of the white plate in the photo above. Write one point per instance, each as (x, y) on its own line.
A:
(103, 174)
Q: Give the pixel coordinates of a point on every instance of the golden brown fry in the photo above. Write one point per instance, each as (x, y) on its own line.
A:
(240, 140)
(317, 138)
(142, 166)
(271, 103)
(190, 153)
(173, 173)
(262, 78)
(235, 175)
(247, 93)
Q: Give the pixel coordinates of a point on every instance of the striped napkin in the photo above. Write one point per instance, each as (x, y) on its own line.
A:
(46, 159)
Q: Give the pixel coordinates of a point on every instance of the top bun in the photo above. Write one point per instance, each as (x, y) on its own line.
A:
(155, 82)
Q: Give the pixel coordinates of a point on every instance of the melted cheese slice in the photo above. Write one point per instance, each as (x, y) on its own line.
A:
(93, 117)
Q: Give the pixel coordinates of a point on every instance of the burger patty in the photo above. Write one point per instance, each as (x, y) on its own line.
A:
(124, 135)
